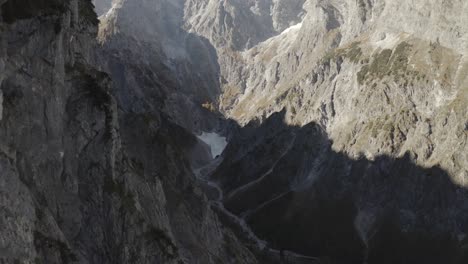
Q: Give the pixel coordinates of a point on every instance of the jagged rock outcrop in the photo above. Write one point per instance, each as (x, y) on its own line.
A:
(83, 179)
(365, 163)
(158, 61)
(299, 194)
(382, 78)
(240, 25)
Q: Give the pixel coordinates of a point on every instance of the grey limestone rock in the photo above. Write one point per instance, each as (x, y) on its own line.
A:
(347, 122)
(83, 178)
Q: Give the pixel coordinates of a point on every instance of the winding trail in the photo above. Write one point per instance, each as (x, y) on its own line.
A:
(261, 178)
(239, 223)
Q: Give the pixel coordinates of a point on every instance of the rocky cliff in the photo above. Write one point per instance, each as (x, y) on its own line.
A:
(157, 64)
(386, 84)
(84, 178)
(354, 67)
(385, 81)
(300, 194)
(347, 123)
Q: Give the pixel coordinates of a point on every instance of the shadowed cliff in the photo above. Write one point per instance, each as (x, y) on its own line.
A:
(89, 178)
(157, 65)
(300, 195)
(85, 178)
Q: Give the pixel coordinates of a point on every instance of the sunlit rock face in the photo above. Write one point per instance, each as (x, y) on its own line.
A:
(381, 77)
(351, 66)
(346, 124)
(386, 81)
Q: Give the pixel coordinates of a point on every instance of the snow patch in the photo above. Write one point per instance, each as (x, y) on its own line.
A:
(286, 38)
(216, 142)
(109, 12)
(387, 41)
(292, 28)
(283, 41)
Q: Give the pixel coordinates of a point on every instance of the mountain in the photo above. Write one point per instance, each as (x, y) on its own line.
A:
(84, 179)
(346, 124)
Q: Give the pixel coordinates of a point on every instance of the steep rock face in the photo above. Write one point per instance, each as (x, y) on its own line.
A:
(239, 24)
(299, 194)
(368, 71)
(81, 181)
(235, 26)
(390, 95)
(385, 80)
(156, 59)
(366, 165)
(292, 68)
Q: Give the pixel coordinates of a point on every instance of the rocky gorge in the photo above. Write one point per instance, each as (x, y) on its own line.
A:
(234, 131)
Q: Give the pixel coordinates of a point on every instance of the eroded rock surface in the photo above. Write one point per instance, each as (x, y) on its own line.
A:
(347, 123)
(84, 179)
